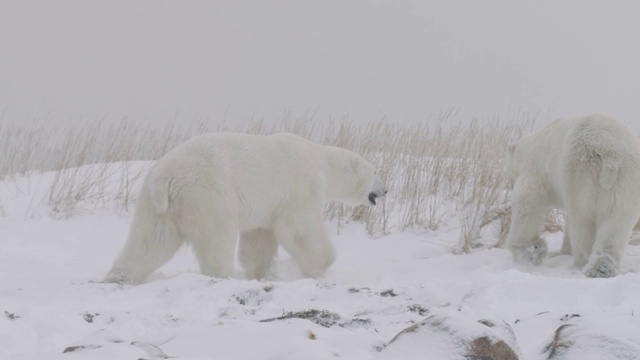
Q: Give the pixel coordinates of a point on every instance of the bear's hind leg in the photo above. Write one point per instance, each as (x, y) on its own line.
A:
(213, 241)
(581, 228)
(611, 238)
(152, 241)
(528, 213)
(256, 250)
(208, 219)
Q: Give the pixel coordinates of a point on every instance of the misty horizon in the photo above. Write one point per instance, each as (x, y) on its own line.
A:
(365, 60)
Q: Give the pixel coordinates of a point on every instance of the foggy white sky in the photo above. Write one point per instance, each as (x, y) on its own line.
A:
(402, 59)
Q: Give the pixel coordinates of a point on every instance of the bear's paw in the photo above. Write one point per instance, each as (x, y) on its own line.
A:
(602, 267)
(532, 253)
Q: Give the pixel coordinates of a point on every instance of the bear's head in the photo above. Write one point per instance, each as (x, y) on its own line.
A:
(352, 179)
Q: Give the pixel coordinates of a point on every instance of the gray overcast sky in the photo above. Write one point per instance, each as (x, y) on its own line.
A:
(403, 59)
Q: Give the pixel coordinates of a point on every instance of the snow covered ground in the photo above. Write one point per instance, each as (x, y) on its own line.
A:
(51, 298)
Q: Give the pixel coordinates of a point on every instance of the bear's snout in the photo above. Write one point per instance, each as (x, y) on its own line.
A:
(376, 194)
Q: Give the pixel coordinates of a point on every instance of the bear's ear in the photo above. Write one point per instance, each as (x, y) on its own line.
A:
(512, 148)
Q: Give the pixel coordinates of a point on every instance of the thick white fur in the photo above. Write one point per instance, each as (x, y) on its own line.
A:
(269, 190)
(589, 166)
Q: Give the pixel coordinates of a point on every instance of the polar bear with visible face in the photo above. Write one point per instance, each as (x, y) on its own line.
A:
(269, 190)
(588, 166)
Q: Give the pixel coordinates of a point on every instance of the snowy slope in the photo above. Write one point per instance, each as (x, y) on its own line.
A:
(51, 298)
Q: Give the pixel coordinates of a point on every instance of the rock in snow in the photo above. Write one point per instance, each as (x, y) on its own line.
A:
(453, 336)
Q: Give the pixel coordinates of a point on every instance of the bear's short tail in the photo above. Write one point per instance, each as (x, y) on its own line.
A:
(159, 190)
(609, 172)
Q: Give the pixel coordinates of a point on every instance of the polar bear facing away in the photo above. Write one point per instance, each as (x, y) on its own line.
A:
(269, 190)
(588, 166)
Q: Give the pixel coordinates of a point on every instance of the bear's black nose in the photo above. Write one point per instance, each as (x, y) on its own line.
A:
(372, 198)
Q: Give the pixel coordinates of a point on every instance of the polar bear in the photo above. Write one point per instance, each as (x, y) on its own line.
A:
(590, 167)
(269, 190)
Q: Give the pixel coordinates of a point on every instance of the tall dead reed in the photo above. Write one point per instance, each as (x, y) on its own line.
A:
(436, 172)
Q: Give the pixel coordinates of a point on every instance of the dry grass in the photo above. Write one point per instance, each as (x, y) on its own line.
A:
(434, 173)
